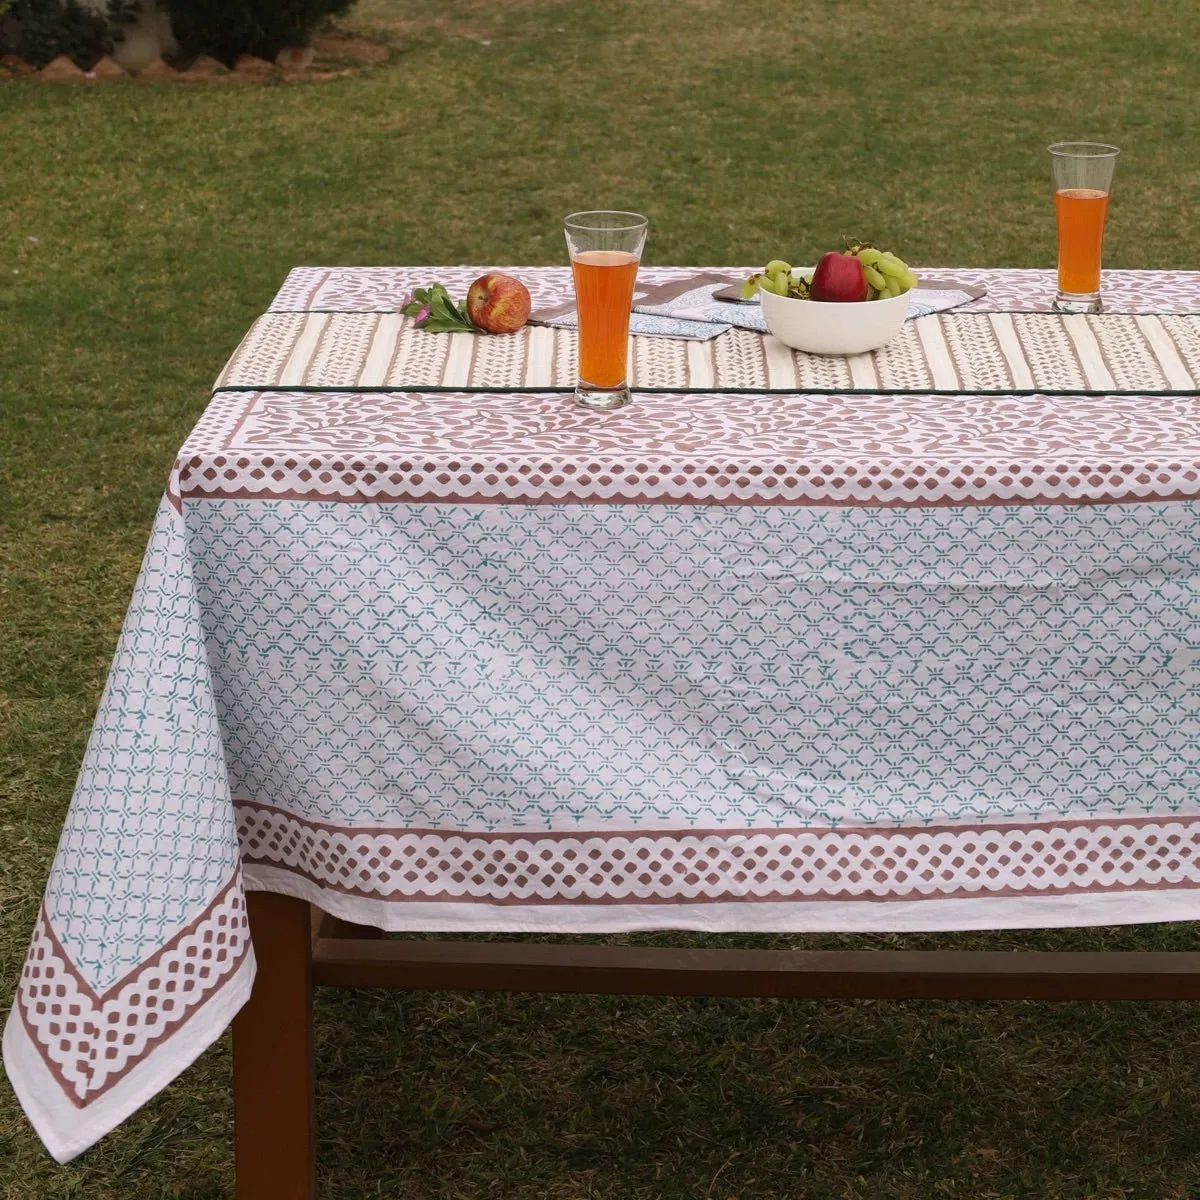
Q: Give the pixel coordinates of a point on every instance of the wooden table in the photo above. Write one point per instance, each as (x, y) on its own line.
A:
(300, 948)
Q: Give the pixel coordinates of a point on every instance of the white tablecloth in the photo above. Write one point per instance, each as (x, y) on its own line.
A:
(477, 661)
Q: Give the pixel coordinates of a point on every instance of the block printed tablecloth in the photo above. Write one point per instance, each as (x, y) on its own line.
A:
(485, 661)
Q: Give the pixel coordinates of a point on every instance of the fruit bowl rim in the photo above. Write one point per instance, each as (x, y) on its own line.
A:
(836, 303)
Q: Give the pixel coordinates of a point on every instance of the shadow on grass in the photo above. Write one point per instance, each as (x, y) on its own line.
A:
(465, 1095)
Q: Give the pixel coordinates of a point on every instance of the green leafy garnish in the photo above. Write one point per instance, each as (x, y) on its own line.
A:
(435, 312)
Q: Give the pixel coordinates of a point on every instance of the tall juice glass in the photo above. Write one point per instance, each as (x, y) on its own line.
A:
(1082, 173)
(605, 249)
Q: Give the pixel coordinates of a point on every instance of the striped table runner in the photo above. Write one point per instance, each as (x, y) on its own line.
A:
(976, 353)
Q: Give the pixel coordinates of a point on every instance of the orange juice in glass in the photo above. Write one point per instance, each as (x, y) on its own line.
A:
(1083, 174)
(605, 249)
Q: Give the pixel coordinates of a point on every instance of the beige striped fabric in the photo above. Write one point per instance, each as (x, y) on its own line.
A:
(952, 352)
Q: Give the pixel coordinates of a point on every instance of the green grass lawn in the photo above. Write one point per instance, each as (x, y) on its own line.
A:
(142, 227)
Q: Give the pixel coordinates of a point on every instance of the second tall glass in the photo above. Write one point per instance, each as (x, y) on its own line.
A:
(605, 248)
(1082, 174)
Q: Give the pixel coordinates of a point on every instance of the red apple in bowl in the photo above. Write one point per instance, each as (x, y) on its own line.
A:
(498, 303)
(839, 278)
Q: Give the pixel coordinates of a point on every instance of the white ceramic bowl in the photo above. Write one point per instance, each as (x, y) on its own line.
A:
(821, 328)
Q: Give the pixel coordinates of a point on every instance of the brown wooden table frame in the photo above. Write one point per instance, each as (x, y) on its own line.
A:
(298, 947)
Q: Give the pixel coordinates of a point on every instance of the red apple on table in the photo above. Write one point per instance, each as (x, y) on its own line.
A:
(839, 278)
(498, 303)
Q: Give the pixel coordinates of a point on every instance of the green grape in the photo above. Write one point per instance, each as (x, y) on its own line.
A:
(887, 274)
(775, 283)
(778, 267)
(750, 286)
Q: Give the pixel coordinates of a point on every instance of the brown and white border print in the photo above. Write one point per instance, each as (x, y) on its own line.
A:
(384, 289)
(89, 1041)
(694, 449)
(1064, 858)
(607, 480)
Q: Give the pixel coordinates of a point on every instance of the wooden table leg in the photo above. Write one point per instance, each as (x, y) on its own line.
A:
(274, 1129)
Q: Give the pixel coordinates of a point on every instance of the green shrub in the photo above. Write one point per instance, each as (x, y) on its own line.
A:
(227, 28)
(39, 30)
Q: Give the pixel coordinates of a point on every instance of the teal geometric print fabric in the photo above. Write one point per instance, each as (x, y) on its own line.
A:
(588, 717)
(543, 667)
(150, 837)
